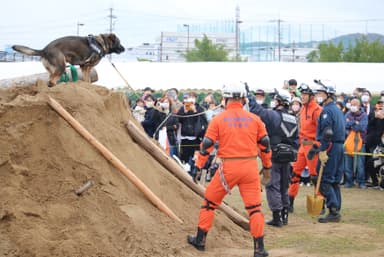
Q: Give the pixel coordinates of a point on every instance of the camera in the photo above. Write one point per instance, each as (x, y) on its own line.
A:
(188, 103)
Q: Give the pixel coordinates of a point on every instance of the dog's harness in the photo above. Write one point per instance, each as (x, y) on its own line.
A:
(98, 50)
(95, 45)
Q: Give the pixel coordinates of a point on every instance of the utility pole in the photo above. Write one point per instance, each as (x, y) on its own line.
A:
(237, 32)
(111, 18)
(78, 26)
(278, 36)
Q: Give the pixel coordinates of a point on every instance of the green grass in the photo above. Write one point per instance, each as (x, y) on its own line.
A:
(322, 245)
(360, 231)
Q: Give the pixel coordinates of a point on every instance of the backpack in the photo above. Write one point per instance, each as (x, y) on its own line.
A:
(353, 143)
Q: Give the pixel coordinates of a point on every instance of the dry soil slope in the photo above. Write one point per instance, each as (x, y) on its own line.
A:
(42, 161)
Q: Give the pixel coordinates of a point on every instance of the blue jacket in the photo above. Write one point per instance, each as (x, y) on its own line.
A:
(331, 117)
(357, 121)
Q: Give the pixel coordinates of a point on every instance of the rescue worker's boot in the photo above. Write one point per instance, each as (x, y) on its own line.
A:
(291, 201)
(259, 251)
(198, 241)
(333, 216)
(284, 215)
(276, 221)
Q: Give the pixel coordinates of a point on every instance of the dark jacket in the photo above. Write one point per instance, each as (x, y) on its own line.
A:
(194, 126)
(273, 120)
(152, 119)
(172, 125)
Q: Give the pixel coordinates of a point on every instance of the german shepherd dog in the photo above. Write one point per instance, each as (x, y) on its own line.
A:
(83, 51)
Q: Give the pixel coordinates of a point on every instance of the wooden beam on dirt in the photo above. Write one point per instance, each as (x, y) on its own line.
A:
(112, 159)
(172, 166)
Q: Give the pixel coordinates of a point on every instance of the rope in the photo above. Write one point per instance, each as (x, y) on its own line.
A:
(366, 154)
(181, 116)
(118, 72)
(161, 124)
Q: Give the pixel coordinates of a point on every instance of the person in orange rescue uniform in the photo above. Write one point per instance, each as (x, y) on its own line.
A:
(309, 115)
(241, 135)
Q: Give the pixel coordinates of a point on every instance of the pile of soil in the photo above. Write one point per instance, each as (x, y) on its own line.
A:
(43, 160)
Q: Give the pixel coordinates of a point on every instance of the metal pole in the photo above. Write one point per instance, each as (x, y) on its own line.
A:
(161, 47)
(187, 26)
(279, 37)
(237, 32)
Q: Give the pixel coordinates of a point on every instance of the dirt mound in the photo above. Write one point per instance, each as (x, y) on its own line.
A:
(43, 160)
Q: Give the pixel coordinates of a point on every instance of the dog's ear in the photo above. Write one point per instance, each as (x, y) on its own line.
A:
(112, 37)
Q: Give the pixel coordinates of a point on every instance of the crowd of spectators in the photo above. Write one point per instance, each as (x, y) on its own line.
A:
(184, 121)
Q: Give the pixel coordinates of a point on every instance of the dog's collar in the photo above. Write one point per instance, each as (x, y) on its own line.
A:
(96, 46)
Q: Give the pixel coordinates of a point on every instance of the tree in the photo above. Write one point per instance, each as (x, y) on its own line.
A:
(362, 51)
(331, 53)
(365, 51)
(206, 51)
(313, 56)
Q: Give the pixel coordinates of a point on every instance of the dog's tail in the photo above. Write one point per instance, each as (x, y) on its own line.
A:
(27, 51)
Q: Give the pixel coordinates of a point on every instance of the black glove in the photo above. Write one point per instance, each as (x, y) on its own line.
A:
(197, 175)
(314, 150)
(314, 180)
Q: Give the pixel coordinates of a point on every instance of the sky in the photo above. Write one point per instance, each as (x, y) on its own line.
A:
(36, 23)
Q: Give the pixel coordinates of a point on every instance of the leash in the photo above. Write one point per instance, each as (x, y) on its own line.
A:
(118, 72)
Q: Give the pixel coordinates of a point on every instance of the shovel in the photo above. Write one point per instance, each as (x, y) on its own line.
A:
(315, 202)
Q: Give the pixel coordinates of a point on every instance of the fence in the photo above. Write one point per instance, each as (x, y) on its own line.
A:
(16, 57)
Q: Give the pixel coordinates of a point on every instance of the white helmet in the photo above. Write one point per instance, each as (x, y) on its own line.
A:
(283, 96)
(234, 90)
(326, 86)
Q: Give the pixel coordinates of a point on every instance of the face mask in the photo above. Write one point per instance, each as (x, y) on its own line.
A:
(382, 98)
(348, 105)
(382, 140)
(149, 104)
(273, 104)
(365, 98)
(295, 108)
(319, 99)
(165, 106)
(259, 102)
(353, 108)
(340, 100)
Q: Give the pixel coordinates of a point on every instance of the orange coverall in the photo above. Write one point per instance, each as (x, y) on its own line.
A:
(238, 133)
(309, 115)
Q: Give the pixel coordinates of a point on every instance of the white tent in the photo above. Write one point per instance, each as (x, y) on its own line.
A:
(211, 75)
